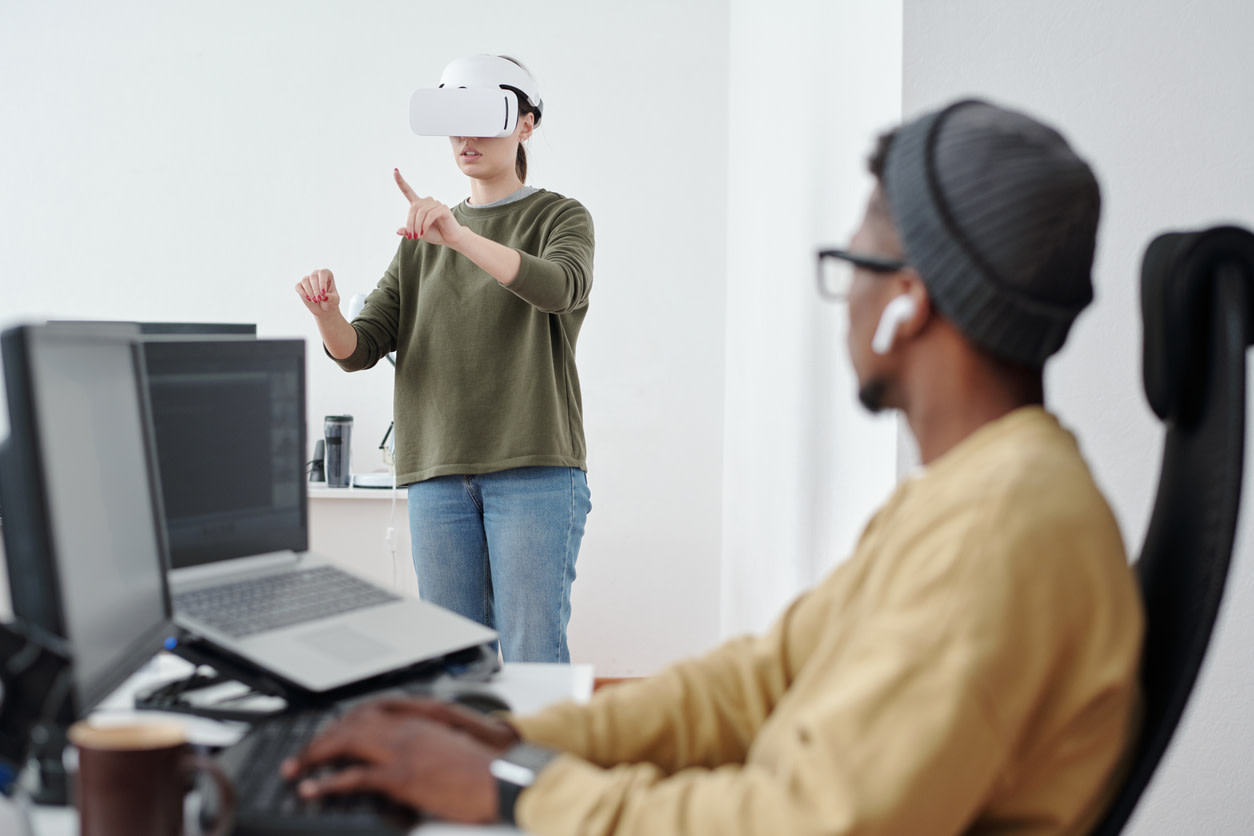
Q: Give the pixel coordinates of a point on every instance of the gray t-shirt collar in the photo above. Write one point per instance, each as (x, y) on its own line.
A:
(525, 191)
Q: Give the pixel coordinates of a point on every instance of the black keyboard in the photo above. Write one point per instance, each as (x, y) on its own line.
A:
(244, 608)
(267, 805)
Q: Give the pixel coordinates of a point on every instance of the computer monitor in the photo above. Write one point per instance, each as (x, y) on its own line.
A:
(84, 545)
(158, 331)
(173, 330)
(228, 421)
(198, 330)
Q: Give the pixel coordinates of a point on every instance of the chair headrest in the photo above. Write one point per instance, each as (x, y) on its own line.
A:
(1176, 274)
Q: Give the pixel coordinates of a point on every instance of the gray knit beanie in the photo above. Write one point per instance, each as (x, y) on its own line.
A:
(999, 217)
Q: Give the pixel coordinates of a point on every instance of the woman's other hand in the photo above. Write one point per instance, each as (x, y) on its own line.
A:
(318, 292)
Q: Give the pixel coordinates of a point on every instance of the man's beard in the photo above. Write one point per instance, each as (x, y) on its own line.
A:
(872, 395)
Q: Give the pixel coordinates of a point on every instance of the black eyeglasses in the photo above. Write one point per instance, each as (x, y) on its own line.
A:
(835, 271)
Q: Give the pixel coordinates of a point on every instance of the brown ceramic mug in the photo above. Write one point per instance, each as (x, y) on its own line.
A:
(132, 779)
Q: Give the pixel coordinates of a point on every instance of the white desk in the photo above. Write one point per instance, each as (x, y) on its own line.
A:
(527, 687)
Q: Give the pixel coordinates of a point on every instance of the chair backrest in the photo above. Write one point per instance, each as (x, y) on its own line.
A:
(1197, 305)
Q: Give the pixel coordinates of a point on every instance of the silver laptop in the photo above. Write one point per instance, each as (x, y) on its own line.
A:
(228, 419)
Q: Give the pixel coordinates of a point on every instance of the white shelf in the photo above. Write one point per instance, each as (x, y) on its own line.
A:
(321, 492)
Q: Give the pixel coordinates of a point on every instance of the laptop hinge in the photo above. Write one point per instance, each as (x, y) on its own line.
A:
(236, 567)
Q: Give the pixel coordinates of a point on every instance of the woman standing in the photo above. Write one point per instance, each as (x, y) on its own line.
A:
(483, 303)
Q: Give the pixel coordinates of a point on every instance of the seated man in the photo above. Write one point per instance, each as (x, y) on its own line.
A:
(971, 669)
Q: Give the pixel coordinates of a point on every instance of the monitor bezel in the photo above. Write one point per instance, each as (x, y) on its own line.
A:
(35, 568)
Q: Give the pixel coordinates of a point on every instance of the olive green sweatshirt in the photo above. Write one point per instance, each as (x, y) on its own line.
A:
(485, 374)
(971, 669)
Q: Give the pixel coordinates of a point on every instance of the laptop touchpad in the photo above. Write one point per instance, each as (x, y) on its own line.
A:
(345, 643)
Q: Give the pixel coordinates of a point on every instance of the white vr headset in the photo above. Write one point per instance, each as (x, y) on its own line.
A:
(472, 100)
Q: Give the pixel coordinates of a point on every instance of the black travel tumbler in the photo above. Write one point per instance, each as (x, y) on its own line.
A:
(337, 431)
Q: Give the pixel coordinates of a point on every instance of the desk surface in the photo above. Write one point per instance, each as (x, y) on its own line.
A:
(527, 687)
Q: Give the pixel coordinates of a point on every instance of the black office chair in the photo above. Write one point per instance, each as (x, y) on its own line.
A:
(1197, 303)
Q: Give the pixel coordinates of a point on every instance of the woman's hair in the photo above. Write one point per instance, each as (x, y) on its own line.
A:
(524, 107)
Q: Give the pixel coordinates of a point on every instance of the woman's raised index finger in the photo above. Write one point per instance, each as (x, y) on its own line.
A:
(405, 189)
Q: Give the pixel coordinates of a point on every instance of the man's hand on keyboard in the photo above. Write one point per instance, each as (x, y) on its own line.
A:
(430, 755)
(488, 730)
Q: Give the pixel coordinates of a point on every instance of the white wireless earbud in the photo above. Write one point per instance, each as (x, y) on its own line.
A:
(896, 312)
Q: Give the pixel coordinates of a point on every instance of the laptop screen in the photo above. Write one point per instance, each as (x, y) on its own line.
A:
(229, 426)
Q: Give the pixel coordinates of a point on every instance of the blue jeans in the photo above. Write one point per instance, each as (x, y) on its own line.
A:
(500, 548)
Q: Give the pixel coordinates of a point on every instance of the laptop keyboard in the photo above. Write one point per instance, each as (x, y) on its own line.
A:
(244, 608)
(267, 805)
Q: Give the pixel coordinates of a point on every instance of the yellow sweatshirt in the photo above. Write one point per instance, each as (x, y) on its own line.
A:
(971, 669)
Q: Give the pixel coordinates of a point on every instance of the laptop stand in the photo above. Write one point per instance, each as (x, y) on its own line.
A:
(474, 664)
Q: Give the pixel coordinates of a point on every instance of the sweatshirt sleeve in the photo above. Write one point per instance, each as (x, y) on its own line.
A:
(905, 717)
(848, 764)
(377, 324)
(559, 279)
(701, 712)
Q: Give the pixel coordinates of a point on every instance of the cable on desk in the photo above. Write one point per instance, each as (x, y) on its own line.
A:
(173, 696)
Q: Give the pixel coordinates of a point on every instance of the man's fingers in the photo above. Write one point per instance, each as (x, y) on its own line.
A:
(436, 710)
(401, 705)
(347, 739)
(405, 189)
(355, 778)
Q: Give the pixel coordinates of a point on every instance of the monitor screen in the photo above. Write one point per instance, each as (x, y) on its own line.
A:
(229, 425)
(82, 529)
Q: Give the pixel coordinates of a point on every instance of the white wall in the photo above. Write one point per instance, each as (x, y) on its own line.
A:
(812, 83)
(176, 161)
(1157, 94)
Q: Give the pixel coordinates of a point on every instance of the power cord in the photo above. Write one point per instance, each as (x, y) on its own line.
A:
(389, 536)
(180, 696)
